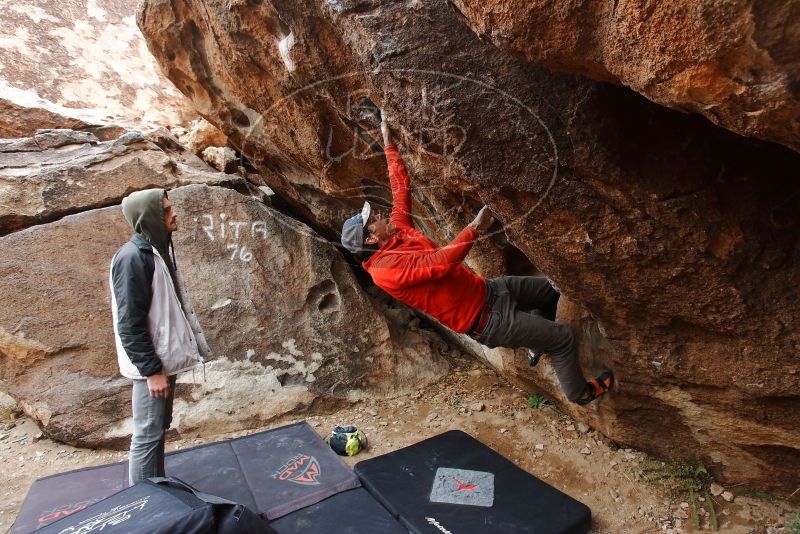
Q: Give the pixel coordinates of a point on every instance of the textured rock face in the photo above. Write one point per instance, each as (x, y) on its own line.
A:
(58, 172)
(677, 239)
(221, 158)
(199, 135)
(18, 120)
(737, 63)
(282, 341)
(84, 55)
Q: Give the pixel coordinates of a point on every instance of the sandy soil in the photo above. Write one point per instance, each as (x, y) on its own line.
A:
(545, 442)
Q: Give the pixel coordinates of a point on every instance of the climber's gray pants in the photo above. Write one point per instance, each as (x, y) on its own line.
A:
(521, 316)
(151, 419)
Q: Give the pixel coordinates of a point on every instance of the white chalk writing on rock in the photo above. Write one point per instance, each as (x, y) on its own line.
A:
(220, 228)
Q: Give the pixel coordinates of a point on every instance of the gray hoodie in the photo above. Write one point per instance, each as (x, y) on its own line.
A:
(144, 211)
(156, 328)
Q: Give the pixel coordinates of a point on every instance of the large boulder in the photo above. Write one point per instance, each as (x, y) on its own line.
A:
(675, 239)
(80, 58)
(21, 118)
(289, 325)
(737, 62)
(58, 172)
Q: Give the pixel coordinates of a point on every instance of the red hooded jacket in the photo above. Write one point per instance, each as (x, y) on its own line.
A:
(416, 271)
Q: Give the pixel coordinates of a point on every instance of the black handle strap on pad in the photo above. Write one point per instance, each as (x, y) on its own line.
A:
(231, 517)
(174, 482)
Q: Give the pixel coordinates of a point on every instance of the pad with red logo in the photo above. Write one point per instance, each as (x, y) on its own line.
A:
(295, 468)
(463, 486)
(301, 469)
(273, 473)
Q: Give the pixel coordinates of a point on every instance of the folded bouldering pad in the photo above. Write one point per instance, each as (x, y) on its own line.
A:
(273, 473)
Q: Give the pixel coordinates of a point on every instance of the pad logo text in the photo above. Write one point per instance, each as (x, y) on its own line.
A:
(300, 469)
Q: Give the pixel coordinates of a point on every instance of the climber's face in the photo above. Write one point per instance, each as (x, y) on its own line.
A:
(380, 231)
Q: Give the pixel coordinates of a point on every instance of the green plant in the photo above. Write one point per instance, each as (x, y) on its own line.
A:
(537, 401)
(456, 401)
(793, 525)
(694, 509)
(679, 478)
(763, 495)
(713, 513)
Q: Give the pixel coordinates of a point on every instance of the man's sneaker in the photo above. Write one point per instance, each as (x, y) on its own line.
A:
(597, 387)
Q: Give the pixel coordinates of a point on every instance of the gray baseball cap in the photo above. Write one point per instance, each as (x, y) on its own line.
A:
(353, 230)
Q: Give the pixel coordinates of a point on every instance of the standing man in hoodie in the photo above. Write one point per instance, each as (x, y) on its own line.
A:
(156, 329)
(510, 311)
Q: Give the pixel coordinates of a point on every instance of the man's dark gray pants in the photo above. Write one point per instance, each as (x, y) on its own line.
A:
(151, 419)
(522, 315)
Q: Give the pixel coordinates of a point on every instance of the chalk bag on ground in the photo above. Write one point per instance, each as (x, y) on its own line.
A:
(347, 440)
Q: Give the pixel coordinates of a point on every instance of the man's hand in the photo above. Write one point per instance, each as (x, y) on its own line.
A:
(385, 131)
(158, 385)
(482, 221)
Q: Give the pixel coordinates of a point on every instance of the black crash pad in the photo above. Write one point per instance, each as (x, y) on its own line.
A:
(477, 491)
(350, 512)
(273, 473)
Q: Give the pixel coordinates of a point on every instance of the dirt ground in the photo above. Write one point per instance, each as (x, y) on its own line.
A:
(543, 441)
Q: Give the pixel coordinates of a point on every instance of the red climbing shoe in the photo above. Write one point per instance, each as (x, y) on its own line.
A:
(597, 387)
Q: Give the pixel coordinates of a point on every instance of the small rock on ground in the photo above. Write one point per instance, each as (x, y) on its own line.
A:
(476, 406)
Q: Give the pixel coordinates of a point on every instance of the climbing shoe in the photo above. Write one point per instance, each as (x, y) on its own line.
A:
(597, 387)
(534, 356)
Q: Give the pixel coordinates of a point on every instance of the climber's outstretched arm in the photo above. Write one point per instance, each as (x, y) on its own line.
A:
(398, 178)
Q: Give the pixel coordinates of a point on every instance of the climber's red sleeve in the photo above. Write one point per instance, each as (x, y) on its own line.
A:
(403, 269)
(401, 189)
(435, 280)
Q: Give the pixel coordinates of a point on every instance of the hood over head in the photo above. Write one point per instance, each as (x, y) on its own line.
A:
(144, 211)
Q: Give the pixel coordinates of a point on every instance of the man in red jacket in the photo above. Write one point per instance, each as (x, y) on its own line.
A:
(510, 311)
